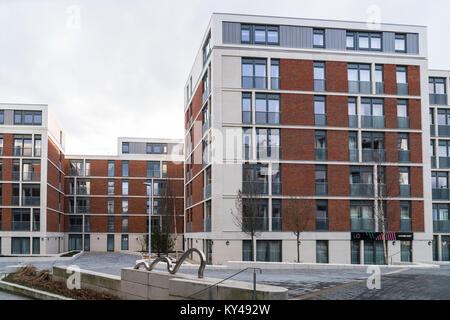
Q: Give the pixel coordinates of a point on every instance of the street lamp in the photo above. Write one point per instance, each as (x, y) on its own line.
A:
(148, 184)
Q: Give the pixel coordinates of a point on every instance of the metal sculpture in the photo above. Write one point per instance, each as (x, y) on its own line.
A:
(174, 268)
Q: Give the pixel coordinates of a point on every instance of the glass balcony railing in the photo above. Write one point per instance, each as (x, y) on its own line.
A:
(268, 153)
(379, 87)
(403, 122)
(207, 225)
(255, 223)
(275, 83)
(353, 155)
(83, 209)
(254, 82)
(276, 224)
(20, 225)
(16, 176)
(405, 225)
(23, 152)
(441, 226)
(402, 89)
(360, 87)
(432, 130)
(255, 187)
(444, 131)
(31, 176)
(247, 153)
(246, 117)
(321, 224)
(353, 121)
(444, 162)
(364, 190)
(15, 200)
(321, 188)
(360, 224)
(263, 117)
(433, 162)
(75, 228)
(438, 99)
(31, 201)
(373, 155)
(376, 122)
(207, 191)
(403, 155)
(320, 119)
(405, 190)
(205, 95)
(319, 85)
(276, 188)
(321, 154)
(440, 194)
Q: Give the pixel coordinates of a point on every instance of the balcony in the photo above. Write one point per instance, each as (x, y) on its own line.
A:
(438, 99)
(255, 223)
(20, 225)
(268, 153)
(444, 131)
(440, 194)
(275, 83)
(254, 82)
(206, 126)
(31, 201)
(83, 209)
(379, 87)
(83, 191)
(321, 188)
(319, 85)
(363, 190)
(353, 155)
(405, 225)
(444, 162)
(207, 191)
(246, 117)
(255, 187)
(403, 122)
(432, 130)
(23, 152)
(321, 224)
(403, 156)
(15, 200)
(31, 176)
(441, 226)
(376, 122)
(373, 155)
(405, 190)
(16, 176)
(75, 228)
(433, 162)
(207, 225)
(37, 153)
(205, 95)
(360, 87)
(353, 121)
(321, 154)
(276, 188)
(320, 119)
(402, 89)
(359, 224)
(276, 224)
(267, 117)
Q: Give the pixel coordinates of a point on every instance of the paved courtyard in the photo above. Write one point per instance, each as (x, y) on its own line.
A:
(396, 283)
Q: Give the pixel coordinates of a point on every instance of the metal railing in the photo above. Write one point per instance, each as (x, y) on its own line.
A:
(268, 153)
(444, 162)
(321, 224)
(75, 228)
(276, 224)
(23, 152)
(321, 188)
(255, 187)
(376, 122)
(353, 155)
(444, 131)
(254, 82)
(405, 225)
(20, 225)
(440, 194)
(405, 190)
(255, 223)
(275, 83)
(31, 201)
(31, 176)
(379, 87)
(353, 121)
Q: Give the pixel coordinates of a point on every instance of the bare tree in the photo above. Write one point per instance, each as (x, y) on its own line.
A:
(250, 216)
(298, 213)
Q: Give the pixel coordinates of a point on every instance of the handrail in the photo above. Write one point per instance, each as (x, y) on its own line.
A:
(174, 269)
(394, 255)
(216, 284)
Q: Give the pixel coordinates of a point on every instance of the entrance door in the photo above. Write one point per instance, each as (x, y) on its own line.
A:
(75, 242)
(406, 253)
(110, 243)
(445, 248)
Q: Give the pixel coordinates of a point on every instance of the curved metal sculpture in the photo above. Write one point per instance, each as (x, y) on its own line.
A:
(174, 268)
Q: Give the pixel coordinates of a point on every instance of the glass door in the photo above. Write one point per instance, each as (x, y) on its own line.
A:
(110, 242)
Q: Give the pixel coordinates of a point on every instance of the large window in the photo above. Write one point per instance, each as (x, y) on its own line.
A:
(438, 92)
(125, 147)
(322, 251)
(318, 38)
(246, 107)
(255, 179)
(400, 42)
(321, 215)
(23, 145)
(268, 143)
(153, 169)
(379, 80)
(321, 181)
(402, 81)
(259, 34)
(320, 145)
(444, 123)
(125, 168)
(27, 117)
(254, 73)
(319, 76)
(439, 185)
(372, 113)
(20, 245)
(156, 148)
(320, 115)
(125, 187)
(444, 154)
(359, 78)
(373, 147)
(110, 168)
(405, 185)
(268, 250)
(362, 216)
(267, 108)
(361, 182)
(403, 147)
(352, 113)
(363, 41)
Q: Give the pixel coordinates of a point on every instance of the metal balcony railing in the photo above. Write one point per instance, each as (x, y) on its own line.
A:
(20, 225)
(403, 156)
(276, 224)
(402, 89)
(31, 176)
(15, 201)
(75, 228)
(83, 209)
(321, 188)
(321, 224)
(373, 155)
(253, 82)
(321, 154)
(405, 225)
(16, 176)
(320, 119)
(403, 122)
(360, 224)
(362, 190)
(276, 188)
(82, 191)
(440, 194)
(376, 122)
(263, 117)
(379, 87)
(320, 85)
(438, 99)
(441, 226)
(360, 87)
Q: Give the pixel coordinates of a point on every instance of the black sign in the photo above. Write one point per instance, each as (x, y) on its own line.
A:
(390, 236)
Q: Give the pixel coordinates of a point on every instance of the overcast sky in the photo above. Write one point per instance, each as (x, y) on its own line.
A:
(120, 69)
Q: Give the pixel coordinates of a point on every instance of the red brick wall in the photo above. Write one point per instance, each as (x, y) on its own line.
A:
(99, 168)
(390, 112)
(338, 215)
(416, 182)
(337, 145)
(393, 215)
(6, 216)
(413, 73)
(197, 218)
(392, 181)
(415, 147)
(297, 144)
(415, 114)
(338, 181)
(336, 76)
(417, 215)
(337, 111)
(296, 75)
(295, 179)
(297, 109)
(391, 146)
(302, 210)
(7, 145)
(390, 79)
(53, 221)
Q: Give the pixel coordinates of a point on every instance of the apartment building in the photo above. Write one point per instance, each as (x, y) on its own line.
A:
(325, 117)
(52, 202)
(440, 164)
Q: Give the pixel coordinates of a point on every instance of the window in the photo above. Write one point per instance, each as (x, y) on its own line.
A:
(363, 41)
(23, 145)
(321, 181)
(254, 73)
(124, 224)
(379, 80)
(27, 117)
(21, 220)
(259, 34)
(110, 205)
(274, 74)
(276, 215)
(356, 251)
(87, 224)
(268, 143)
(352, 113)
(373, 147)
(247, 143)
(321, 215)
(87, 242)
(110, 224)
(353, 146)
(159, 187)
(246, 107)
(276, 179)
(124, 205)
(2, 116)
(156, 148)
(125, 147)
(110, 187)
(405, 216)
(20, 245)
(405, 187)
(207, 48)
(255, 179)
(319, 76)
(318, 38)
(153, 169)
(400, 42)
(31, 195)
(125, 166)
(125, 188)
(359, 78)
(267, 108)
(402, 82)
(268, 250)
(372, 113)
(362, 216)
(110, 168)
(322, 251)
(320, 117)
(245, 33)
(402, 114)
(444, 153)
(321, 145)
(403, 147)
(124, 242)
(438, 92)
(350, 40)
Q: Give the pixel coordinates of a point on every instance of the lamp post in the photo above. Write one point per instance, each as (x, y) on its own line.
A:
(148, 184)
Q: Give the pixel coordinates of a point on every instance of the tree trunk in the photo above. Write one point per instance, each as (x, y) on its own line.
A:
(298, 247)
(253, 248)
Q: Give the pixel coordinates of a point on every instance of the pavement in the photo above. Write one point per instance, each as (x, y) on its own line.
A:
(303, 284)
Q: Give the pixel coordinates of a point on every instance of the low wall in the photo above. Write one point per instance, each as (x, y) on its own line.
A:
(161, 285)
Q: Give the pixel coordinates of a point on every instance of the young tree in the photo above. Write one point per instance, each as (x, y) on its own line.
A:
(298, 213)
